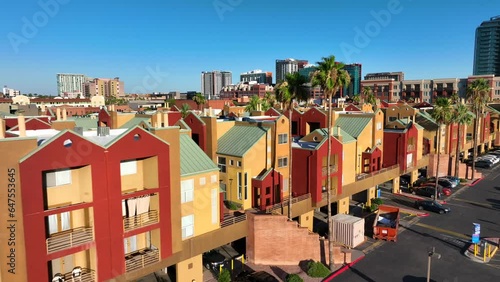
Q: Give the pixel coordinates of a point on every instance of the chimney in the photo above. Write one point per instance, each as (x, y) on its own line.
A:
(167, 105)
(22, 125)
(58, 114)
(339, 135)
(2, 128)
(165, 119)
(64, 114)
(158, 119)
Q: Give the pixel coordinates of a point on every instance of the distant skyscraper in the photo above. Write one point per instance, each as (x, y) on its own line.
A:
(257, 75)
(70, 84)
(487, 48)
(284, 67)
(212, 82)
(105, 87)
(354, 88)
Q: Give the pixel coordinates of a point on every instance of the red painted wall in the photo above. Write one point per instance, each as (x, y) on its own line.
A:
(173, 117)
(486, 128)
(197, 127)
(106, 194)
(397, 154)
(453, 140)
(105, 118)
(271, 180)
(313, 115)
(297, 118)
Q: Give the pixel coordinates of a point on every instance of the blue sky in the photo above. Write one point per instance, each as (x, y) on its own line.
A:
(178, 39)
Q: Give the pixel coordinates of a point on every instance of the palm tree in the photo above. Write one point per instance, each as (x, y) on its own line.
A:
(478, 94)
(442, 114)
(461, 116)
(270, 99)
(199, 99)
(330, 76)
(185, 110)
(253, 105)
(356, 99)
(369, 97)
(292, 88)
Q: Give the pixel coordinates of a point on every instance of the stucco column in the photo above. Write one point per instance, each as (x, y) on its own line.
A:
(395, 185)
(370, 195)
(481, 149)
(306, 220)
(414, 176)
(190, 269)
(343, 206)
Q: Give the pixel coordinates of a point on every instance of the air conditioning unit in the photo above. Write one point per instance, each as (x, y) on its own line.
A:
(102, 131)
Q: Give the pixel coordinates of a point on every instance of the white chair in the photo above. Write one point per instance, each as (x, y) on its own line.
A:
(58, 278)
(76, 272)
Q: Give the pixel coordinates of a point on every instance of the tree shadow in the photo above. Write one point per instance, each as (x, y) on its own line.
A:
(482, 206)
(279, 272)
(494, 203)
(408, 203)
(303, 265)
(497, 188)
(462, 247)
(361, 274)
(411, 278)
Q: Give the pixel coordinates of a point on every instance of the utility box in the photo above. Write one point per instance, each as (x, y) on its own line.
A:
(348, 230)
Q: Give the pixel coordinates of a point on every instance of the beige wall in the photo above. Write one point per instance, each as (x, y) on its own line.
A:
(282, 126)
(78, 191)
(13, 149)
(349, 163)
(190, 269)
(378, 130)
(364, 142)
(146, 176)
(223, 127)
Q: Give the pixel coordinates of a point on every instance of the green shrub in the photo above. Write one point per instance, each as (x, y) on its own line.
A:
(462, 180)
(293, 278)
(373, 207)
(377, 201)
(317, 269)
(224, 276)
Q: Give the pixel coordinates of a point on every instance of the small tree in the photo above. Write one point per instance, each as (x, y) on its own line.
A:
(294, 278)
(224, 276)
(184, 110)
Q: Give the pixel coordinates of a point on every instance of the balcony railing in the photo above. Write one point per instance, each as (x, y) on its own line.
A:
(285, 203)
(87, 275)
(410, 148)
(140, 259)
(362, 176)
(69, 238)
(233, 220)
(140, 220)
(333, 169)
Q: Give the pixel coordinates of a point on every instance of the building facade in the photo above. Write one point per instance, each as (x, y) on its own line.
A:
(105, 87)
(70, 85)
(257, 75)
(487, 48)
(397, 76)
(212, 83)
(287, 66)
(10, 93)
(354, 87)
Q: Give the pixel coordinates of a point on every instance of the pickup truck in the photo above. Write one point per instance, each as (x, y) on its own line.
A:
(386, 223)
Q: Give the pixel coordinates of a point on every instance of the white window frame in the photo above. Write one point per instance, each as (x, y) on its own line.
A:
(187, 223)
(128, 167)
(58, 178)
(215, 213)
(213, 178)
(203, 181)
(238, 163)
(283, 138)
(283, 162)
(222, 166)
(187, 190)
(379, 125)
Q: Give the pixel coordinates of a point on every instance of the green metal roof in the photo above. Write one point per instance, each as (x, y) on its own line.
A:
(239, 139)
(346, 138)
(353, 124)
(86, 123)
(136, 121)
(193, 159)
(426, 121)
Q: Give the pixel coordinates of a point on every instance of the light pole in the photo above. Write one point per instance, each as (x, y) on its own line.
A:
(431, 254)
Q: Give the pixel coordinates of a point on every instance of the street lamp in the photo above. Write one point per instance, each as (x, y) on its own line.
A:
(431, 254)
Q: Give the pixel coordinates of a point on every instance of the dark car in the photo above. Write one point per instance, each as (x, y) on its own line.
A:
(426, 191)
(213, 260)
(431, 206)
(481, 164)
(443, 182)
(259, 276)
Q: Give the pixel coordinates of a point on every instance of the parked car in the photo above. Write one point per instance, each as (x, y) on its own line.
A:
(431, 205)
(443, 182)
(453, 179)
(481, 163)
(213, 260)
(492, 158)
(427, 191)
(495, 152)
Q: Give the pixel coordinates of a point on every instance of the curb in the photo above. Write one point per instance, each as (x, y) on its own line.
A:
(474, 182)
(410, 196)
(342, 269)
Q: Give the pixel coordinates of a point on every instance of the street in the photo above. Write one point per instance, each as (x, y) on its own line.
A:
(450, 233)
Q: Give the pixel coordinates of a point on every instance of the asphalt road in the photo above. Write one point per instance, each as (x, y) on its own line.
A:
(406, 260)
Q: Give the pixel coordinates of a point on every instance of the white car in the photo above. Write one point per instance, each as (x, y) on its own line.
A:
(492, 159)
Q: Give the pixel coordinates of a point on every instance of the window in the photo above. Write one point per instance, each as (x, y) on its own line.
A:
(128, 167)
(187, 190)
(213, 178)
(58, 178)
(203, 181)
(285, 184)
(246, 186)
(239, 185)
(379, 125)
(214, 197)
(231, 162)
(59, 222)
(282, 162)
(282, 138)
(130, 244)
(238, 163)
(222, 164)
(379, 142)
(187, 226)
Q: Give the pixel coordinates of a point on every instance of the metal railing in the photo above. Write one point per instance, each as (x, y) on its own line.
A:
(87, 275)
(233, 220)
(333, 169)
(140, 259)
(69, 238)
(362, 176)
(286, 201)
(140, 220)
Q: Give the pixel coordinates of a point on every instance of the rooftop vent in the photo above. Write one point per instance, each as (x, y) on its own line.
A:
(102, 131)
(78, 130)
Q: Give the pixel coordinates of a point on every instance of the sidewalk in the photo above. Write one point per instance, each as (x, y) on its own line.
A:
(483, 254)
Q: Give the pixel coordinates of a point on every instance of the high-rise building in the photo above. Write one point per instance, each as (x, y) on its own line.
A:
(212, 82)
(487, 48)
(10, 93)
(287, 66)
(106, 87)
(70, 84)
(257, 75)
(354, 87)
(397, 76)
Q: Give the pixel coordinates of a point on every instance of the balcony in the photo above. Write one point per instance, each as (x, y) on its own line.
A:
(333, 169)
(140, 259)
(410, 148)
(140, 220)
(86, 275)
(69, 238)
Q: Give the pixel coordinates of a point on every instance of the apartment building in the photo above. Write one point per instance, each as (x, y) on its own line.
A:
(288, 66)
(70, 85)
(105, 87)
(257, 75)
(247, 89)
(212, 83)
(486, 48)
